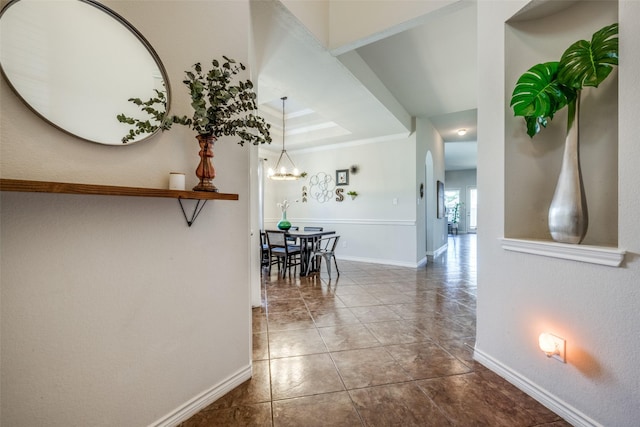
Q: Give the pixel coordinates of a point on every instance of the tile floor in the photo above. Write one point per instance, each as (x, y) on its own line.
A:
(377, 346)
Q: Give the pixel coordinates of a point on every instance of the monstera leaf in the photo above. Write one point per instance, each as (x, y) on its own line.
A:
(538, 95)
(538, 92)
(547, 88)
(588, 64)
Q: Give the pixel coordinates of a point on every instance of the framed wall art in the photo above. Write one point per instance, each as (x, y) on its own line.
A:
(342, 177)
(440, 193)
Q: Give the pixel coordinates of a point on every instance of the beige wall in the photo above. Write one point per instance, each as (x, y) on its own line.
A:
(113, 311)
(105, 300)
(595, 308)
(347, 29)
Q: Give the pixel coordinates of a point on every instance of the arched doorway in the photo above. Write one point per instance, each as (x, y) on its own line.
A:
(430, 202)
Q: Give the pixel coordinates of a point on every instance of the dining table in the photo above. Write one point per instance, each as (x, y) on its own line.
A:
(307, 240)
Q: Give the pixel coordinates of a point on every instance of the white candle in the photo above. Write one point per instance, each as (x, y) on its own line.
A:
(176, 181)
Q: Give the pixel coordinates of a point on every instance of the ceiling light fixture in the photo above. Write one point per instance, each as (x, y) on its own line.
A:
(462, 132)
(280, 173)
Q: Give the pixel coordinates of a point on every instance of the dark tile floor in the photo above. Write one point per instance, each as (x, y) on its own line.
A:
(377, 346)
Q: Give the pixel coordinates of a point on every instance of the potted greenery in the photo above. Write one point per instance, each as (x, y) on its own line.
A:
(353, 194)
(221, 107)
(549, 87)
(156, 107)
(455, 216)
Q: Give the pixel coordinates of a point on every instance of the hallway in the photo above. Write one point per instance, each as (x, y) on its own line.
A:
(378, 346)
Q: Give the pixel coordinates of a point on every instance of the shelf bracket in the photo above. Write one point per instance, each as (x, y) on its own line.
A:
(196, 211)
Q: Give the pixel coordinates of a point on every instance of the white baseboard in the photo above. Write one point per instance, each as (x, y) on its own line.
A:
(572, 415)
(438, 251)
(379, 261)
(204, 399)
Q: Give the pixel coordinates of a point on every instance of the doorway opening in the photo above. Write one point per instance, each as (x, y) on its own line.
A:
(454, 210)
(472, 210)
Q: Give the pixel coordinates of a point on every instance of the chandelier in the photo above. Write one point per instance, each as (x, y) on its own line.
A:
(280, 172)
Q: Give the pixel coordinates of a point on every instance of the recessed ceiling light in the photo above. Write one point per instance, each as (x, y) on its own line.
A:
(462, 132)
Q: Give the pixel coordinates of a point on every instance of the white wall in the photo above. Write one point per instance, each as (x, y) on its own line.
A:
(595, 308)
(429, 141)
(372, 227)
(113, 311)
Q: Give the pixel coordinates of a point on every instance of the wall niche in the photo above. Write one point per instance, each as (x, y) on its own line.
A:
(541, 32)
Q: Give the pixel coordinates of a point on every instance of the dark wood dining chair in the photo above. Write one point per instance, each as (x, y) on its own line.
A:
(281, 253)
(325, 248)
(264, 249)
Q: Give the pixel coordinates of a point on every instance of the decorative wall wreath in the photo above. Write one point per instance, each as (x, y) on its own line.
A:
(321, 187)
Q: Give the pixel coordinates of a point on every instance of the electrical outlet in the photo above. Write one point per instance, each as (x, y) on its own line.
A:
(562, 348)
(344, 243)
(395, 201)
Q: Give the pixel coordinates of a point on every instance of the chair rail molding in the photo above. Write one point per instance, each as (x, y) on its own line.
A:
(388, 222)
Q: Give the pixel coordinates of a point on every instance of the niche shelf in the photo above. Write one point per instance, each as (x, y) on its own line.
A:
(611, 257)
(25, 186)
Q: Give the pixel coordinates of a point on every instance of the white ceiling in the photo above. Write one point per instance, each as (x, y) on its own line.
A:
(372, 92)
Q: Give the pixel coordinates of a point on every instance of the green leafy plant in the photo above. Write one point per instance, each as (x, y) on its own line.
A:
(548, 87)
(220, 106)
(455, 215)
(352, 193)
(156, 107)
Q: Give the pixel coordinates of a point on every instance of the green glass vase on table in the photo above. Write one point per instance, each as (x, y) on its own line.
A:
(284, 223)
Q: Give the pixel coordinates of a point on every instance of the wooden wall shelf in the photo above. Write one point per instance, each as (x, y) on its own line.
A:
(25, 186)
(107, 190)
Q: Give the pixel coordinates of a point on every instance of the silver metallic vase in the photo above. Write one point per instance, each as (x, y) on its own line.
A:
(568, 216)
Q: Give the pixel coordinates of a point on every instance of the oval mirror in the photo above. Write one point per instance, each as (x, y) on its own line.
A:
(77, 63)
